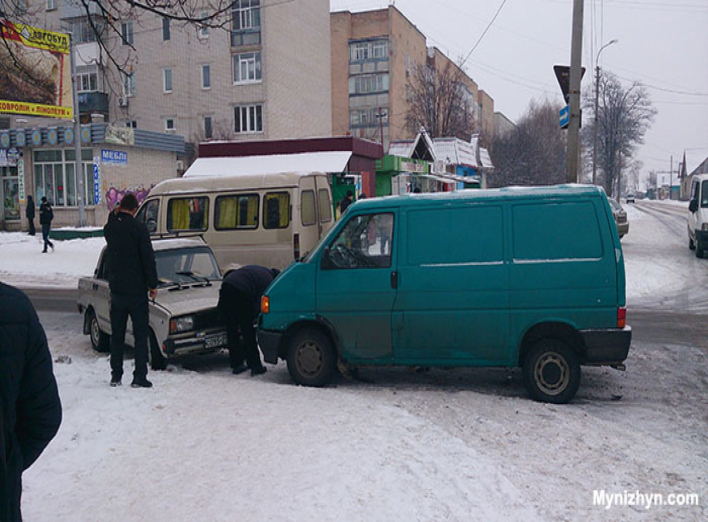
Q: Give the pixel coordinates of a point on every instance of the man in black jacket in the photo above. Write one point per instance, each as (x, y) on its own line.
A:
(239, 305)
(29, 212)
(46, 215)
(132, 277)
(30, 409)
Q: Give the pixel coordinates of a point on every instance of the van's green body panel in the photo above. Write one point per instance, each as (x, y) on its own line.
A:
(475, 272)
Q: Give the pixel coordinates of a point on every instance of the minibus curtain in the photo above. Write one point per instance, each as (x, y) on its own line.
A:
(227, 213)
(248, 212)
(179, 211)
(276, 207)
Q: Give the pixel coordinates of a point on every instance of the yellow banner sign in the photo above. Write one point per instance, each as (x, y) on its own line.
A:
(35, 72)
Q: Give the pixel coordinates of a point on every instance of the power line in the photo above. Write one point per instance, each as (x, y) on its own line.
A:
(672, 91)
(485, 32)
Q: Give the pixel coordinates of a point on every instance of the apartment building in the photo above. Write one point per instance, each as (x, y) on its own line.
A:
(374, 57)
(265, 76)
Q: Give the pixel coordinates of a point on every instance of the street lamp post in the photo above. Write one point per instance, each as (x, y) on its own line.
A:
(597, 102)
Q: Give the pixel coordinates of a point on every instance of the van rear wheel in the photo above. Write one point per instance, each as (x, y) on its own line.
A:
(311, 358)
(551, 372)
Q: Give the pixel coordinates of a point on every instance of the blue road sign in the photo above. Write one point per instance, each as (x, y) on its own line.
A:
(564, 117)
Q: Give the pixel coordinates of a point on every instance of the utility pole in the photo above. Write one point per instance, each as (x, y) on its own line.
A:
(597, 104)
(78, 166)
(671, 175)
(380, 115)
(574, 93)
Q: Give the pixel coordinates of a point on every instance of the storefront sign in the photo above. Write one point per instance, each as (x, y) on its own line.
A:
(5, 140)
(115, 157)
(20, 138)
(21, 178)
(68, 135)
(410, 166)
(8, 157)
(96, 181)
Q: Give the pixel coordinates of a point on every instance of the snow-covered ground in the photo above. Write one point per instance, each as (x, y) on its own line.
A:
(399, 445)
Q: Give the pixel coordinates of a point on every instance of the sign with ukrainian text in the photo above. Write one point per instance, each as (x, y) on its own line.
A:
(116, 157)
(35, 72)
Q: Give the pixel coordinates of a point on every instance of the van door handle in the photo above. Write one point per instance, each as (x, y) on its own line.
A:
(394, 280)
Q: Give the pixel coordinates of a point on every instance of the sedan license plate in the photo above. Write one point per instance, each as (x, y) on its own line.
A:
(217, 340)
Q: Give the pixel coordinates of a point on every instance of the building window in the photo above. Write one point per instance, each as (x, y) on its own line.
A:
(204, 29)
(128, 83)
(247, 67)
(367, 117)
(169, 124)
(206, 76)
(368, 83)
(245, 22)
(131, 124)
(165, 29)
(51, 5)
(370, 50)
(248, 118)
(84, 31)
(126, 30)
(167, 80)
(87, 78)
(54, 177)
(208, 133)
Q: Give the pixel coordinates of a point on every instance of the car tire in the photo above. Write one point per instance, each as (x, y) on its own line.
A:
(100, 341)
(155, 358)
(551, 372)
(691, 244)
(311, 358)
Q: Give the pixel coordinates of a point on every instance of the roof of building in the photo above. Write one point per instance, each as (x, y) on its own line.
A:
(333, 162)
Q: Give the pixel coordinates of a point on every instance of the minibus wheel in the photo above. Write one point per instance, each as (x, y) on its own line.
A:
(551, 372)
(311, 358)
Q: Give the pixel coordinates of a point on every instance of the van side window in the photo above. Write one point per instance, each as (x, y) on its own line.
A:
(148, 215)
(556, 232)
(457, 236)
(187, 214)
(694, 191)
(307, 207)
(236, 212)
(704, 194)
(276, 210)
(325, 206)
(364, 242)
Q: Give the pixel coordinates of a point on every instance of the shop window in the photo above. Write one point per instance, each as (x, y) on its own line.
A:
(236, 212)
(276, 210)
(187, 214)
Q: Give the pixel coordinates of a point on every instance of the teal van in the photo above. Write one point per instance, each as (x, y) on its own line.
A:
(529, 277)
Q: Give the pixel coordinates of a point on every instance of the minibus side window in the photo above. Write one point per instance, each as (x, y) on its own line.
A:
(307, 207)
(276, 210)
(236, 212)
(187, 213)
(148, 215)
(364, 242)
(325, 206)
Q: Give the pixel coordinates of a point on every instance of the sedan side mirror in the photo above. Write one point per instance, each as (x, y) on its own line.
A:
(693, 205)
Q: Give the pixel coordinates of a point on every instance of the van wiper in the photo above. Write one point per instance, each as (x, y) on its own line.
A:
(194, 276)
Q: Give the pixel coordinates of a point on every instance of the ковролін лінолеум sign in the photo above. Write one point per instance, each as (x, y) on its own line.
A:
(35, 72)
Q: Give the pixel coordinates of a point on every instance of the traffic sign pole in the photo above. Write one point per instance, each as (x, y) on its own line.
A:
(576, 50)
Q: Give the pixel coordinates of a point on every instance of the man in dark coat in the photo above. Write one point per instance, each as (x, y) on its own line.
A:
(346, 201)
(46, 215)
(239, 305)
(29, 212)
(30, 409)
(132, 277)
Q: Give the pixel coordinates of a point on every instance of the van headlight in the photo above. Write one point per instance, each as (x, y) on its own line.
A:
(182, 324)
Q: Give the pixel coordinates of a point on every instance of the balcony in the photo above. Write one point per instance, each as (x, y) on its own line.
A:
(90, 102)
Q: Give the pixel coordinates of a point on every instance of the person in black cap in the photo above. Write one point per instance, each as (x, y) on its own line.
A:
(239, 306)
(346, 201)
(46, 215)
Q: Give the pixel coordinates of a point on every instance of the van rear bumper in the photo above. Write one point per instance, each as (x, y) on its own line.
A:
(269, 342)
(606, 346)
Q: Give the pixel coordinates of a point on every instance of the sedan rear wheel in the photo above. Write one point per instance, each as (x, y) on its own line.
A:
(100, 341)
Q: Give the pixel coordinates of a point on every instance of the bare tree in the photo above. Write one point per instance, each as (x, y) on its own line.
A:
(623, 117)
(440, 101)
(651, 182)
(533, 153)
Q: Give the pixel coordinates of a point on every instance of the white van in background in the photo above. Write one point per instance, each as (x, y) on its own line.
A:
(261, 219)
(698, 215)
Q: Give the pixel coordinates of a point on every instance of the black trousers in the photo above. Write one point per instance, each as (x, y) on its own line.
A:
(45, 235)
(135, 306)
(32, 231)
(237, 312)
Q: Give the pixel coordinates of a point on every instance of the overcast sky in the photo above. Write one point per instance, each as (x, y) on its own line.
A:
(662, 43)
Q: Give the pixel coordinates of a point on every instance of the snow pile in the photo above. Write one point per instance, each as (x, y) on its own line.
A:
(23, 264)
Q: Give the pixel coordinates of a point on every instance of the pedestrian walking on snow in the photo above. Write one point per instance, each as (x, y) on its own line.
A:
(132, 278)
(46, 215)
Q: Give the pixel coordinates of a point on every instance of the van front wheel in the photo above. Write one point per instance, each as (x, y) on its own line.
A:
(551, 372)
(311, 358)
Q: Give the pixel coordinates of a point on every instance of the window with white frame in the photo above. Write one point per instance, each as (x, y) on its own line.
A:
(128, 83)
(51, 5)
(206, 76)
(369, 50)
(204, 29)
(131, 124)
(54, 176)
(167, 80)
(248, 118)
(87, 78)
(245, 22)
(165, 29)
(368, 83)
(208, 132)
(169, 124)
(247, 67)
(367, 117)
(126, 31)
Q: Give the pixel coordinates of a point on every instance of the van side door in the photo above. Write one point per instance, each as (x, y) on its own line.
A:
(453, 293)
(356, 285)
